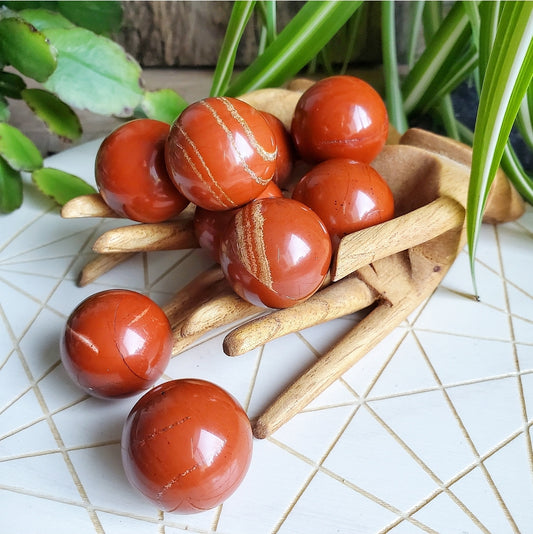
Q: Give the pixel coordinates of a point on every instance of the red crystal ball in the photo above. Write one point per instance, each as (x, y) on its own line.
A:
(221, 153)
(186, 445)
(131, 173)
(347, 195)
(210, 225)
(340, 117)
(275, 252)
(116, 343)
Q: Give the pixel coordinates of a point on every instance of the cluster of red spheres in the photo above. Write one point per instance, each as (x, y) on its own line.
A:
(186, 444)
(222, 154)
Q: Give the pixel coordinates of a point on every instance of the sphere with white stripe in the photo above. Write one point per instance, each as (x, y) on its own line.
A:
(221, 153)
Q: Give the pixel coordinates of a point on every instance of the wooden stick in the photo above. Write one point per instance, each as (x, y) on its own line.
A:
(87, 206)
(101, 265)
(418, 226)
(224, 308)
(342, 298)
(170, 235)
(364, 336)
(180, 342)
(196, 292)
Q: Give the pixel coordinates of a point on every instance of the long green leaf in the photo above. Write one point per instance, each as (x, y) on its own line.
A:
(508, 75)
(525, 118)
(450, 40)
(267, 10)
(515, 171)
(393, 94)
(301, 40)
(416, 10)
(240, 15)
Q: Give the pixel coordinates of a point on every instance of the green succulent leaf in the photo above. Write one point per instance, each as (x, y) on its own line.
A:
(299, 42)
(100, 17)
(44, 19)
(60, 185)
(94, 73)
(26, 49)
(11, 85)
(18, 150)
(10, 188)
(58, 116)
(4, 110)
(163, 105)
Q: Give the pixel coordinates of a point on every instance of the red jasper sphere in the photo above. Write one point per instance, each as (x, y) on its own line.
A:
(285, 155)
(131, 174)
(340, 117)
(221, 153)
(275, 252)
(347, 195)
(210, 225)
(116, 343)
(186, 445)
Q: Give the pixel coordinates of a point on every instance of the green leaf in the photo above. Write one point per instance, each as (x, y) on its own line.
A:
(267, 11)
(508, 75)
(163, 105)
(60, 185)
(11, 84)
(525, 118)
(449, 41)
(393, 92)
(18, 5)
(415, 12)
(301, 39)
(94, 73)
(18, 150)
(100, 17)
(240, 15)
(4, 110)
(516, 173)
(26, 49)
(58, 116)
(10, 188)
(44, 19)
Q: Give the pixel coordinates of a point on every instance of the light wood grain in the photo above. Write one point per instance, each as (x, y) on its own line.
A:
(170, 235)
(342, 298)
(101, 265)
(87, 206)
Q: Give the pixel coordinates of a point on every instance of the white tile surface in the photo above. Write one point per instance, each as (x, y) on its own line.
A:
(430, 432)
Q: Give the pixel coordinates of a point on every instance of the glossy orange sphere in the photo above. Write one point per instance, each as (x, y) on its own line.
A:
(210, 225)
(275, 252)
(347, 195)
(340, 117)
(285, 154)
(186, 445)
(221, 153)
(116, 343)
(131, 174)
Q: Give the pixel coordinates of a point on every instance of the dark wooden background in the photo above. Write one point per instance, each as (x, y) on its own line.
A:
(190, 33)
